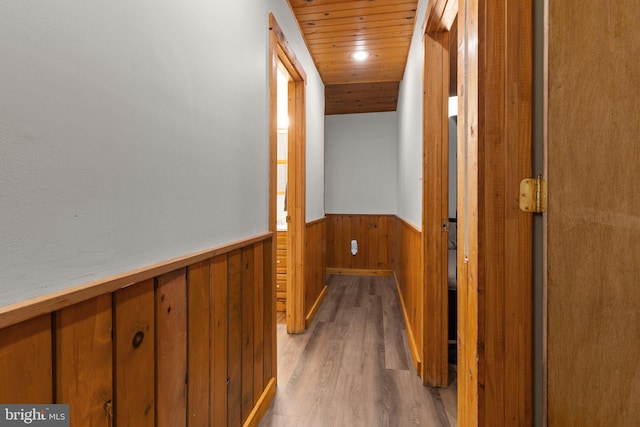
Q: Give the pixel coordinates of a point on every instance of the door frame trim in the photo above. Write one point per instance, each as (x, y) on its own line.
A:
(280, 51)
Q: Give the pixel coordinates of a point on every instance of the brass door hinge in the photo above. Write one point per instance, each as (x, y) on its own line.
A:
(533, 195)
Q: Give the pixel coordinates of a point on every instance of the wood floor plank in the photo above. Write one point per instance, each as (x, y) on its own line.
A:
(353, 367)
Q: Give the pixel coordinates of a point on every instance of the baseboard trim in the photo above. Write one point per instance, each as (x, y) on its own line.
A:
(359, 272)
(412, 341)
(262, 405)
(316, 306)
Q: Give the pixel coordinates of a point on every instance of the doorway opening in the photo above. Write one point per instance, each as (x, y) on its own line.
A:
(282, 189)
(287, 178)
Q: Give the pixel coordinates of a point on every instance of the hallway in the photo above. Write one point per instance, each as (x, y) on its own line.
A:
(353, 366)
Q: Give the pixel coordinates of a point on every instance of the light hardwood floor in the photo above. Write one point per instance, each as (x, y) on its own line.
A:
(353, 366)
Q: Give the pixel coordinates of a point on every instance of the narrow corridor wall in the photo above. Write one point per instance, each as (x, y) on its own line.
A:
(132, 134)
(361, 153)
(410, 120)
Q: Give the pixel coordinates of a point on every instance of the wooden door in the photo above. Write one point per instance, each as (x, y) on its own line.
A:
(593, 219)
(436, 208)
(494, 236)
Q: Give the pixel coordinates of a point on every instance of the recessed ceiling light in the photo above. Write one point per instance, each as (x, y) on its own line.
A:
(360, 55)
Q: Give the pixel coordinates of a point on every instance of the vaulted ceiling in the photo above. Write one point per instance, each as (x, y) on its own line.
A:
(334, 29)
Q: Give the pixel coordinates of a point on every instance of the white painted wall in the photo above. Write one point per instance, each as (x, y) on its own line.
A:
(361, 161)
(410, 112)
(315, 146)
(133, 132)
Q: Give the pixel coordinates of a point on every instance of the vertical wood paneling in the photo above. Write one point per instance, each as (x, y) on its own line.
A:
(234, 339)
(492, 145)
(25, 362)
(219, 340)
(435, 196)
(270, 358)
(505, 275)
(469, 333)
(247, 307)
(315, 262)
(194, 346)
(258, 321)
(84, 361)
(134, 355)
(409, 267)
(374, 234)
(199, 344)
(171, 349)
(494, 284)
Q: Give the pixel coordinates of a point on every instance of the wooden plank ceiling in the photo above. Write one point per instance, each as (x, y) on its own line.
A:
(335, 29)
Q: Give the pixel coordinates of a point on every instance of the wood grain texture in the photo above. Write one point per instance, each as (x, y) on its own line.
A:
(505, 232)
(247, 318)
(135, 380)
(199, 343)
(315, 264)
(495, 300)
(171, 349)
(333, 31)
(593, 230)
(436, 207)
(440, 15)
(84, 363)
(270, 347)
(258, 322)
(234, 339)
(375, 236)
(169, 353)
(296, 236)
(352, 367)
(361, 97)
(219, 340)
(377, 22)
(25, 356)
(470, 334)
(409, 273)
(282, 277)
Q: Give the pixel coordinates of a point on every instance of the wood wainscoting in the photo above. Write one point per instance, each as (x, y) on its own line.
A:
(374, 234)
(315, 262)
(281, 271)
(409, 280)
(187, 342)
